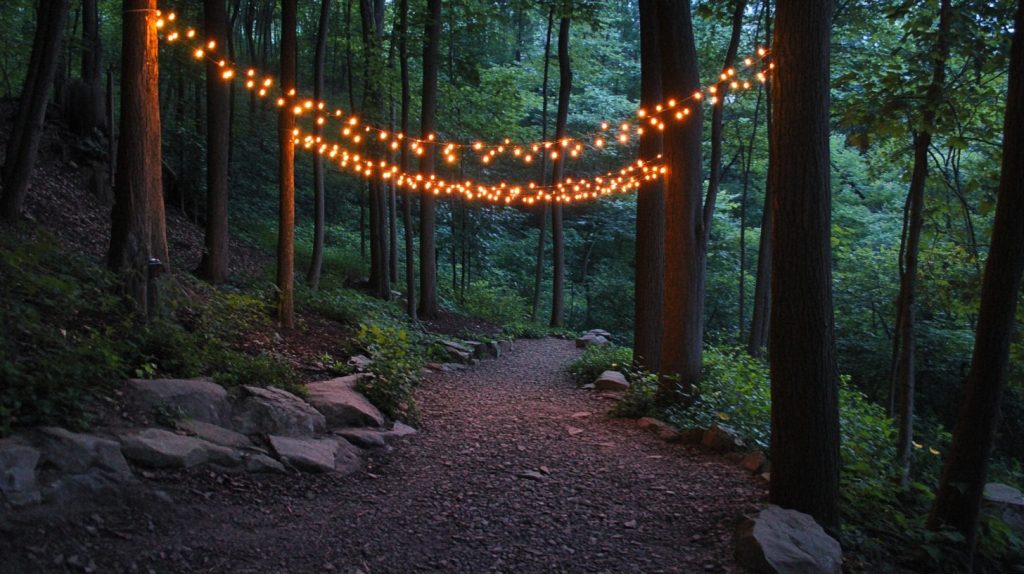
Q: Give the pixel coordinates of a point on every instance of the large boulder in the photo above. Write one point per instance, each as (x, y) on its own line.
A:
(720, 438)
(611, 381)
(1007, 503)
(198, 399)
(18, 472)
(157, 448)
(317, 454)
(342, 405)
(782, 541)
(592, 340)
(76, 453)
(269, 410)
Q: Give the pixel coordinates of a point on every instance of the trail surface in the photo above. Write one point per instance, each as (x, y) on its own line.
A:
(514, 470)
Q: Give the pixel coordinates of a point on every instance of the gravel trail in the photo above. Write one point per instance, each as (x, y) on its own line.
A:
(514, 470)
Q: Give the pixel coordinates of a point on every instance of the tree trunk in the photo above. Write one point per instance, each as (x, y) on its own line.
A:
(373, 105)
(23, 145)
(319, 173)
(215, 262)
(963, 477)
(747, 160)
(805, 380)
(683, 307)
(92, 69)
(407, 196)
(649, 279)
(715, 168)
(542, 210)
(758, 338)
(557, 172)
(285, 125)
(428, 256)
(138, 236)
(903, 366)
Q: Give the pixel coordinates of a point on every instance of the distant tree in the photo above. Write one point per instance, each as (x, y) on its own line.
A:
(958, 500)
(428, 113)
(804, 376)
(408, 195)
(23, 144)
(543, 208)
(215, 261)
(319, 173)
(286, 171)
(557, 172)
(757, 339)
(138, 235)
(650, 206)
(685, 255)
(372, 13)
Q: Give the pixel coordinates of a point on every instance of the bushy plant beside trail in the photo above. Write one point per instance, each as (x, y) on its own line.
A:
(397, 361)
(598, 359)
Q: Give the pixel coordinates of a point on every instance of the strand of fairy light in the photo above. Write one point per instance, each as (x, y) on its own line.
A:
(572, 147)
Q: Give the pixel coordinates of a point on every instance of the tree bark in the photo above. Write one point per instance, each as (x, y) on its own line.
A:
(543, 209)
(904, 377)
(138, 233)
(758, 337)
(557, 172)
(685, 257)
(27, 132)
(428, 255)
(286, 166)
(804, 377)
(963, 478)
(92, 69)
(650, 207)
(319, 173)
(407, 195)
(215, 261)
(373, 105)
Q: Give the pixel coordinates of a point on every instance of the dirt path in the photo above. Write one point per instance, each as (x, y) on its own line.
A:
(514, 471)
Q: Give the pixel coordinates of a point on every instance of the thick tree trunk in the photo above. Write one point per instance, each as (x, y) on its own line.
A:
(903, 366)
(138, 236)
(542, 210)
(685, 257)
(428, 255)
(215, 262)
(650, 207)
(715, 168)
(805, 380)
(319, 173)
(963, 477)
(758, 338)
(286, 209)
(407, 196)
(23, 145)
(557, 173)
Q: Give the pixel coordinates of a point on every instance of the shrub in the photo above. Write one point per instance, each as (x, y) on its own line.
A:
(396, 369)
(596, 360)
(494, 303)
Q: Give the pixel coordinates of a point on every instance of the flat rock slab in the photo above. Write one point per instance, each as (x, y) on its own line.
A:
(77, 453)
(611, 381)
(364, 438)
(215, 434)
(781, 541)
(157, 448)
(199, 399)
(342, 405)
(317, 454)
(269, 410)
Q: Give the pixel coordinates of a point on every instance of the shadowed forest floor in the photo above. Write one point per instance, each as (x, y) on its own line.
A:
(514, 470)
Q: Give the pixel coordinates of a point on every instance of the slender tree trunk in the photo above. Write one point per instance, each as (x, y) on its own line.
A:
(138, 236)
(963, 478)
(715, 168)
(92, 68)
(650, 206)
(319, 173)
(557, 173)
(805, 380)
(23, 145)
(286, 123)
(747, 159)
(407, 196)
(542, 210)
(758, 339)
(215, 261)
(683, 308)
(903, 366)
(428, 255)
(373, 105)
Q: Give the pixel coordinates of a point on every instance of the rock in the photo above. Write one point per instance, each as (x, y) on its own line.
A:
(364, 438)
(342, 405)
(531, 475)
(590, 340)
(493, 350)
(400, 430)
(720, 438)
(457, 347)
(269, 410)
(754, 461)
(691, 436)
(600, 333)
(781, 541)
(199, 399)
(157, 448)
(504, 346)
(316, 454)
(261, 463)
(215, 434)
(75, 453)
(360, 363)
(611, 381)
(463, 357)
(18, 472)
(1008, 503)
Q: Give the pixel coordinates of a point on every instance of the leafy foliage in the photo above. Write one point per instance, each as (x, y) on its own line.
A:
(598, 359)
(396, 369)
